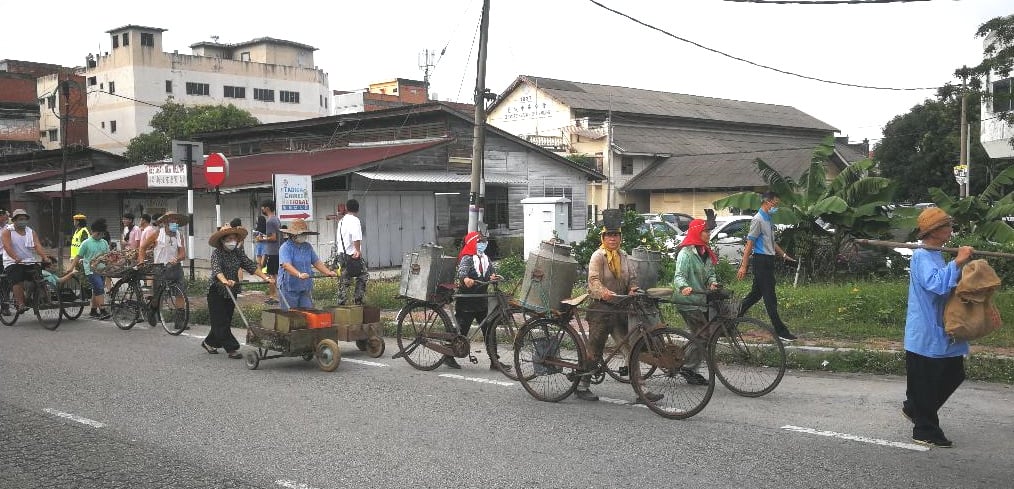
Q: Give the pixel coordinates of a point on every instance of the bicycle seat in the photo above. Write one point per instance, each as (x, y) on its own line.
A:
(659, 292)
(574, 301)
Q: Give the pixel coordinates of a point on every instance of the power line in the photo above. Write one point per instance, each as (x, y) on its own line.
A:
(824, 2)
(753, 63)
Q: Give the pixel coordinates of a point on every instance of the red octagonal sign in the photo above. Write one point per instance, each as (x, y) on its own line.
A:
(216, 169)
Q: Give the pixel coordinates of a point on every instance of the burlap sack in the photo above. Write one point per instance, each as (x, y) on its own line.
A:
(970, 313)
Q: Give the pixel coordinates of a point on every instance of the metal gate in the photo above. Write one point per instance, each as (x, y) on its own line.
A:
(394, 224)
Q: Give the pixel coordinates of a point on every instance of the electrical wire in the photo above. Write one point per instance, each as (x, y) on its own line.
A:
(824, 2)
(753, 63)
(469, 58)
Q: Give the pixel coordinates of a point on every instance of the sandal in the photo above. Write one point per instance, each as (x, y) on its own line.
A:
(235, 355)
(208, 348)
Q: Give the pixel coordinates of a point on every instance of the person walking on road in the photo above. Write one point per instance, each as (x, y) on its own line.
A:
(227, 259)
(297, 259)
(92, 247)
(761, 249)
(350, 235)
(934, 363)
(272, 240)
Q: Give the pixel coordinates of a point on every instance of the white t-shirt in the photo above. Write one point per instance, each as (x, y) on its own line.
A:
(23, 246)
(350, 230)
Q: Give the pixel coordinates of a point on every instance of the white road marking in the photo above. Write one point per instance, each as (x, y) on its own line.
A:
(293, 484)
(365, 362)
(621, 402)
(846, 436)
(72, 417)
(478, 379)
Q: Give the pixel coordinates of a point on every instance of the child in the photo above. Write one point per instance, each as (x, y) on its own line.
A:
(50, 277)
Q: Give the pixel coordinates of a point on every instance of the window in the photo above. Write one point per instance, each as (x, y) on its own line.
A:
(627, 165)
(51, 101)
(234, 92)
(497, 214)
(126, 38)
(288, 97)
(244, 56)
(198, 88)
(168, 86)
(54, 135)
(92, 81)
(321, 100)
(112, 87)
(147, 39)
(264, 95)
(112, 126)
(628, 207)
(1002, 100)
(567, 192)
(116, 41)
(103, 124)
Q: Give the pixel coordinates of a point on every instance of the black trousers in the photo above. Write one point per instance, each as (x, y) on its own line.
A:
(469, 309)
(220, 311)
(764, 286)
(931, 381)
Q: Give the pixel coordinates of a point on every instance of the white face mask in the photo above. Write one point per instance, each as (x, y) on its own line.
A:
(299, 239)
(230, 245)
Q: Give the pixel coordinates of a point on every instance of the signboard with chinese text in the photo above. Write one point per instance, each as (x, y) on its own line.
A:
(293, 197)
(167, 175)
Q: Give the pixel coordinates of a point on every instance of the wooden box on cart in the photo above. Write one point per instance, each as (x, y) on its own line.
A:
(346, 315)
(358, 332)
(282, 321)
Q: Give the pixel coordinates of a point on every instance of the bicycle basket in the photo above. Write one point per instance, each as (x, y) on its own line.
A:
(545, 347)
(724, 308)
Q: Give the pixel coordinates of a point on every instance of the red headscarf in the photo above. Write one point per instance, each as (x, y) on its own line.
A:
(693, 238)
(471, 239)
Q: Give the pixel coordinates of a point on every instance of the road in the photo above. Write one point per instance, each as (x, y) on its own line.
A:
(90, 406)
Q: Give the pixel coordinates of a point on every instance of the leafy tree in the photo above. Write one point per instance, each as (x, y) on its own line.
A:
(983, 214)
(582, 159)
(823, 215)
(177, 121)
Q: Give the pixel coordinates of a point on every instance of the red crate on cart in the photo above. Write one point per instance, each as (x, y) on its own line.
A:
(315, 318)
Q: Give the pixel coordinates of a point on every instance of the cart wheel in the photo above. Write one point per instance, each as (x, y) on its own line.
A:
(308, 356)
(252, 359)
(375, 347)
(328, 355)
(362, 345)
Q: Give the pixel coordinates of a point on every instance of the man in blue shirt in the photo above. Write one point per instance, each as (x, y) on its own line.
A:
(934, 363)
(762, 250)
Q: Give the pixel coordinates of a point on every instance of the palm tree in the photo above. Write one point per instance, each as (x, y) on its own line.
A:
(983, 214)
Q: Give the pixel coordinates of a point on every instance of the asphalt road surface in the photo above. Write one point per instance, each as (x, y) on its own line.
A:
(90, 406)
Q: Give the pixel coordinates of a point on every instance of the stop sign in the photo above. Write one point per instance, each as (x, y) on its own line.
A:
(216, 169)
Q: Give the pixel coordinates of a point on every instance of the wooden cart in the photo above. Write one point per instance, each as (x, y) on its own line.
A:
(319, 343)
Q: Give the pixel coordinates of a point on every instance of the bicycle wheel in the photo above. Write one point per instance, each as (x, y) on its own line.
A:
(747, 356)
(126, 304)
(47, 305)
(417, 321)
(501, 343)
(547, 359)
(670, 373)
(8, 311)
(616, 355)
(174, 309)
(72, 296)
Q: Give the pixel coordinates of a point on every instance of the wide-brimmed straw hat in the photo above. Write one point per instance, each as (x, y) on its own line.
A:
(172, 217)
(297, 227)
(215, 240)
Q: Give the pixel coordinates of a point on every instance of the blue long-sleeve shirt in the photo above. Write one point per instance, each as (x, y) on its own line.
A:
(930, 285)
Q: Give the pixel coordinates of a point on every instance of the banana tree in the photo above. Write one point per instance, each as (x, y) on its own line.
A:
(983, 214)
(820, 214)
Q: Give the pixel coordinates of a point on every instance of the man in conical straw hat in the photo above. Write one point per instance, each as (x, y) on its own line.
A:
(296, 261)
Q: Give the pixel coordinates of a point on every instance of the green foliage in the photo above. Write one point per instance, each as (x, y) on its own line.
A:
(582, 159)
(983, 214)
(631, 238)
(511, 267)
(176, 121)
(1004, 267)
(851, 205)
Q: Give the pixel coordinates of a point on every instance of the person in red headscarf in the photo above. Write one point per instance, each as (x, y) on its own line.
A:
(474, 267)
(695, 273)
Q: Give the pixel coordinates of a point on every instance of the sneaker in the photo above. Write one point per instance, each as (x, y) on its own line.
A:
(586, 395)
(934, 441)
(786, 335)
(451, 363)
(693, 378)
(103, 315)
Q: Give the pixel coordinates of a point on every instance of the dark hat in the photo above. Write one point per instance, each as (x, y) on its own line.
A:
(709, 222)
(612, 221)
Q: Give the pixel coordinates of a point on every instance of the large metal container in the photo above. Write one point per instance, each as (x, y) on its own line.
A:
(648, 264)
(423, 270)
(549, 277)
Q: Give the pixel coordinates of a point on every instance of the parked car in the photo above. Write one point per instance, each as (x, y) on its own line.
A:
(728, 239)
(661, 230)
(677, 219)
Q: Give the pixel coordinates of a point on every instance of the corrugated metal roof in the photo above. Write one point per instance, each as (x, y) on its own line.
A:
(590, 96)
(21, 177)
(432, 177)
(256, 170)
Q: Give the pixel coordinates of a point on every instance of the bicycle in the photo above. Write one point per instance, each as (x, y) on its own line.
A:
(168, 305)
(426, 334)
(40, 296)
(746, 354)
(551, 359)
(76, 294)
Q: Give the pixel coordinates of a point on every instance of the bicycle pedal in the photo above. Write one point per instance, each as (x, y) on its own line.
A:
(473, 359)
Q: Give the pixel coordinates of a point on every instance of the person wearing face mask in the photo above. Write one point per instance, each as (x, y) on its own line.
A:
(80, 233)
(169, 252)
(474, 265)
(20, 250)
(762, 250)
(296, 261)
(227, 259)
(92, 247)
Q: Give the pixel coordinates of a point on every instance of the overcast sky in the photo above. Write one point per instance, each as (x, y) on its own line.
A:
(893, 45)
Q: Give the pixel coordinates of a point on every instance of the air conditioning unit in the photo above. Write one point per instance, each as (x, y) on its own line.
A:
(582, 122)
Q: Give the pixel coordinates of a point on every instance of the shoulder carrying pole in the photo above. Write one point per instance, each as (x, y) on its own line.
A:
(895, 244)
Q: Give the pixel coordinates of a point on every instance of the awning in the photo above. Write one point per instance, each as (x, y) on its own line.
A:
(256, 170)
(437, 176)
(22, 177)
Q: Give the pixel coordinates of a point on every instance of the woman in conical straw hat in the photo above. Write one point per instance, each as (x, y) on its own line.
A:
(296, 261)
(227, 259)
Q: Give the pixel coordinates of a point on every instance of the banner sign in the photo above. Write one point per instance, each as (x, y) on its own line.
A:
(293, 197)
(172, 175)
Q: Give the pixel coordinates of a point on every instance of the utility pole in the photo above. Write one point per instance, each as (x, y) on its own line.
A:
(64, 114)
(475, 191)
(963, 157)
(425, 64)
